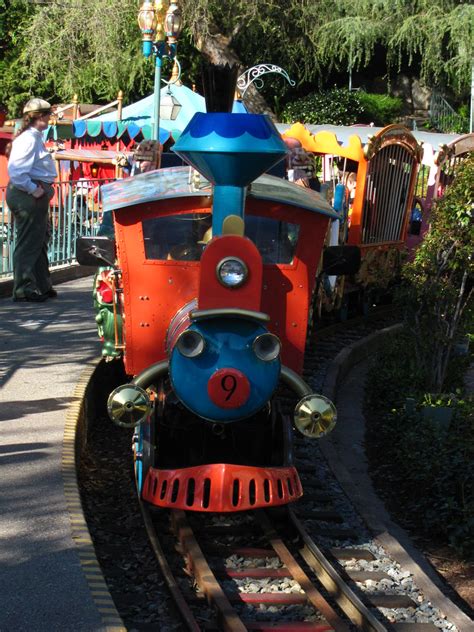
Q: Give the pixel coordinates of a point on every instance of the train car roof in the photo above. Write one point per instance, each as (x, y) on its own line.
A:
(344, 132)
(99, 156)
(175, 182)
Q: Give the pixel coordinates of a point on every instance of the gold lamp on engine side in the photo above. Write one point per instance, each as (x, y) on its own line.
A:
(315, 416)
(128, 405)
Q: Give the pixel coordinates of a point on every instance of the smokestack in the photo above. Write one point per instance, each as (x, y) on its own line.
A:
(219, 83)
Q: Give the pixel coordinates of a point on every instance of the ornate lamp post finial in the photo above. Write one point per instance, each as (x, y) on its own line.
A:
(160, 18)
(158, 25)
(147, 24)
(173, 22)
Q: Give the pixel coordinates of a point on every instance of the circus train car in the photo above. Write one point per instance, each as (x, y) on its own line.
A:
(441, 154)
(212, 280)
(369, 175)
(449, 156)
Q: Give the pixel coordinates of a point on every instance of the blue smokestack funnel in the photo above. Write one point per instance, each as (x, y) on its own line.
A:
(230, 150)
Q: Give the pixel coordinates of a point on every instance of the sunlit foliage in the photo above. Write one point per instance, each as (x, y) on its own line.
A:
(92, 47)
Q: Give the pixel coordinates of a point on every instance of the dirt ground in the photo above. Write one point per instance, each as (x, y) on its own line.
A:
(458, 574)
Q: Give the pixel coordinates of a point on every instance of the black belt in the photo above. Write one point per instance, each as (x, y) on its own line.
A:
(50, 184)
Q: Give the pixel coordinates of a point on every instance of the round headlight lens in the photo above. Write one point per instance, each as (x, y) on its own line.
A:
(232, 272)
(190, 343)
(267, 347)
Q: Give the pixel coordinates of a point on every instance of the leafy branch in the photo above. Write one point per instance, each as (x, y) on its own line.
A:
(439, 292)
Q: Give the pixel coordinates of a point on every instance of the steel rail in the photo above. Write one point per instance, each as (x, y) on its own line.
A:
(344, 596)
(183, 607)
(229, 619)
(311, 593)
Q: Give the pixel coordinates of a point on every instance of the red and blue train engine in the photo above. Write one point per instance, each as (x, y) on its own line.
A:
(213, 283)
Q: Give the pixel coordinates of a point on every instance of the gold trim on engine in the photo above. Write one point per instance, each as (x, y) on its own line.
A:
(229, 312)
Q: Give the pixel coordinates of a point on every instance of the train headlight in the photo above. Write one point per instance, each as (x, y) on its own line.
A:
(190, 343)
(231, 272)
(267, 347)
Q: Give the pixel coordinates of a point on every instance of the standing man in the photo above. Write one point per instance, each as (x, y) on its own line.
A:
(32, 172)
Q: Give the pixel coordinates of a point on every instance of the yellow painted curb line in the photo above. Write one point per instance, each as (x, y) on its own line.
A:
(72, 439)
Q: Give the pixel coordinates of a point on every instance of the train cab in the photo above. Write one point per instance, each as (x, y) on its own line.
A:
(163, 225)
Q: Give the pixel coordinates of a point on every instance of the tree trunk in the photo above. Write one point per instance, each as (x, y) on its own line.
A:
(217, 49)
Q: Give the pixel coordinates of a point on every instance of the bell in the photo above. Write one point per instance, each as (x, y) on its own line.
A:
(315, 416)
(128, 405)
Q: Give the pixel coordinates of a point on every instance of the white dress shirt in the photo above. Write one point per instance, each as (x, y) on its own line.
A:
(30, 160)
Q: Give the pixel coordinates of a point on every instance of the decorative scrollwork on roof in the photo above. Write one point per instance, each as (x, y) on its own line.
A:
(254, 74)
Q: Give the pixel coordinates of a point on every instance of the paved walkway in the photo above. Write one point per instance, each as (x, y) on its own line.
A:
(43, 349)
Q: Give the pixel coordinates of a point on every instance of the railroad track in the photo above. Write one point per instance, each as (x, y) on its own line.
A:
(271, 552)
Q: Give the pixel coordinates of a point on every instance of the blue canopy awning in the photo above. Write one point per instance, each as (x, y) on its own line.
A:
(137, 118)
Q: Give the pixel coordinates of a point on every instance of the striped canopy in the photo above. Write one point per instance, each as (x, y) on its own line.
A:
(137, 117)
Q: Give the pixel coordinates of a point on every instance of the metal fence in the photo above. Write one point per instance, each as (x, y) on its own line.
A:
(75, 210)
(445, 118)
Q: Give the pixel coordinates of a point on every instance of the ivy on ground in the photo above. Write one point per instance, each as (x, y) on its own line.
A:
(421, 463)
(429, 466)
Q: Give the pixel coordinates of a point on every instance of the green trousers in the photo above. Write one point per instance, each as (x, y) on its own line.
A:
(30, 258)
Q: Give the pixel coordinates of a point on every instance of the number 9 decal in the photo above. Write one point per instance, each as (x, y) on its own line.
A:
(229, 384)
(228, 388)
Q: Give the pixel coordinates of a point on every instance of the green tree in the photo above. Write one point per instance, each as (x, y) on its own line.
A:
(438, 298)
(89, 48)
(93, 46)
(437, 34)
(16, 83)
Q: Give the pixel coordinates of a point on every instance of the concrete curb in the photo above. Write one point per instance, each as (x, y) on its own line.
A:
(58, 275)
(75, 431)
(344, 452)
(352, 355)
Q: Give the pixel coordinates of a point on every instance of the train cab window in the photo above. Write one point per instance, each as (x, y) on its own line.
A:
(176, 237)
(276, 240)
(184, 237)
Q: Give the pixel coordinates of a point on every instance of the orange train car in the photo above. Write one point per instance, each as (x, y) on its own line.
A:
(373, 172)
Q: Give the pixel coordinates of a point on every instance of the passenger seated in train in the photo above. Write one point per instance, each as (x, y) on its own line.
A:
(184, 237)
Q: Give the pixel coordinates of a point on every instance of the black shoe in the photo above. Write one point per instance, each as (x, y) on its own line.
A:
(30, 298)
(51, 293)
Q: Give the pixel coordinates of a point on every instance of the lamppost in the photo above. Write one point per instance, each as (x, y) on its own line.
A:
(160, 30)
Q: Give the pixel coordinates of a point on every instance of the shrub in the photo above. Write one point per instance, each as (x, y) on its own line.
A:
(430, 465)
(437, 298)
(379, 109)
(430, 468)
(338, 106)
